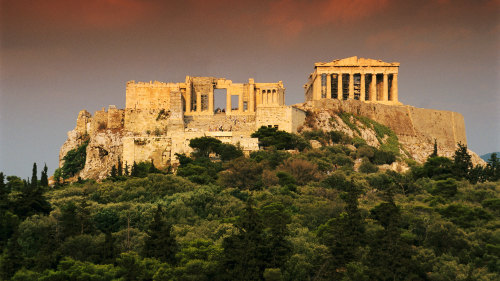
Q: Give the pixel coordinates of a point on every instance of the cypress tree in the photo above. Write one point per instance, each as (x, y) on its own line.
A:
(44, 179)
(120, 168)
(126, 172)
(134, 170)
(3, 193)
(435, 152)
(113, 172)
(34, 177)
(152, 168)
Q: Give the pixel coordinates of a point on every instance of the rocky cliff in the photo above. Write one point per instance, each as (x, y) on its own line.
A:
(117, 133)
(416, 128)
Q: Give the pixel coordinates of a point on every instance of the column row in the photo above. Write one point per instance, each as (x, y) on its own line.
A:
(360, 86)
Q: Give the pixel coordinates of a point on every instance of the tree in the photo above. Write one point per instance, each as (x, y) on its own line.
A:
(134, 172)
(119, 168)
(113, 172)
(435, 151)
(244, 255)
(34, 177)
(4, 200)
(275, 219)
(44, 179)
(390, 255)
(462, 163)
(493, 168)
(160, 243)
(204, 146)
(269, 136)
(126, 171)
(344, 234)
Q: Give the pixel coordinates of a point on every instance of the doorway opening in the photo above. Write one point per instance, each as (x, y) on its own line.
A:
(220, 100)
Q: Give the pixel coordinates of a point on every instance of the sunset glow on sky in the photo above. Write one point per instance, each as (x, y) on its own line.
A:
(60, 56)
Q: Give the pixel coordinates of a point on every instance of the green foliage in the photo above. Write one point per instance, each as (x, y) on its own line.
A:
(74, 160)
(279, 139)
(367, 167)
(309, 216)
(160, 242)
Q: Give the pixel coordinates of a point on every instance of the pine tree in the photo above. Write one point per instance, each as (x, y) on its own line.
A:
(44, 179)
(34, 178)
(462, 163)
(493, 168)
(160, 242)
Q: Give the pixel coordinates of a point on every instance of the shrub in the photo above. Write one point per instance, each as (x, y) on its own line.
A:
(381, 157)
(302, 170)
(365, 151)
(367, 167)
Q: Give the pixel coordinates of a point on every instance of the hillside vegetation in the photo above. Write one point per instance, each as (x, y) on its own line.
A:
(292, 213)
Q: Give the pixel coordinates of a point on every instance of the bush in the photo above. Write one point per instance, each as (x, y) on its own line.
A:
(302, 170)
(381, 157)
(367, 167)
(365, 151)
(271, 157)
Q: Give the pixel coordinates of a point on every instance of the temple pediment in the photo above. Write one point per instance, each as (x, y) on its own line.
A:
(355, 61)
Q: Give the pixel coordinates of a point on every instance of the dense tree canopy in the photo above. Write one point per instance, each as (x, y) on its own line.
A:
(276, 215)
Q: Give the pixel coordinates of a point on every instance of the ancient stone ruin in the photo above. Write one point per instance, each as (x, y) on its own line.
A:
(160, 118)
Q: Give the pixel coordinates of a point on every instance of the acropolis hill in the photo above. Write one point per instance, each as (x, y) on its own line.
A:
(160, 118)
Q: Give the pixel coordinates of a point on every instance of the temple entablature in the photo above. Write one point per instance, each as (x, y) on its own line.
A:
(354, 78)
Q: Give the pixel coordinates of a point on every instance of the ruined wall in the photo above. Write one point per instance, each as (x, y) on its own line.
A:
(152, 95)
(286, 118)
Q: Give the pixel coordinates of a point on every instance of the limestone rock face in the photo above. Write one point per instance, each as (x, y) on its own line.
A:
(103, 151)
(416, 128)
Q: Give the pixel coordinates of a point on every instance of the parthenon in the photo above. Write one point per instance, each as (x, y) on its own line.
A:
(355, 78)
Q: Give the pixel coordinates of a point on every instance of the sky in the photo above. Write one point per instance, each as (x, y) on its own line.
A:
(58, 57)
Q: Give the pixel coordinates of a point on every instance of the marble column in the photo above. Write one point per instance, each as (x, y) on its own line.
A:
(228, 101)
(211, 102)
(188, 98)
(198, 102)
(373, 87)
(351, 86)
(240, 102)
(394, 88)
(362, 88)
(328, 86)
(339, 86)
(385, 91)
(251, 98)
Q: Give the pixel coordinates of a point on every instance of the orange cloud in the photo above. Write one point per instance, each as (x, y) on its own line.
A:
(88, 13)
(293, 16)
